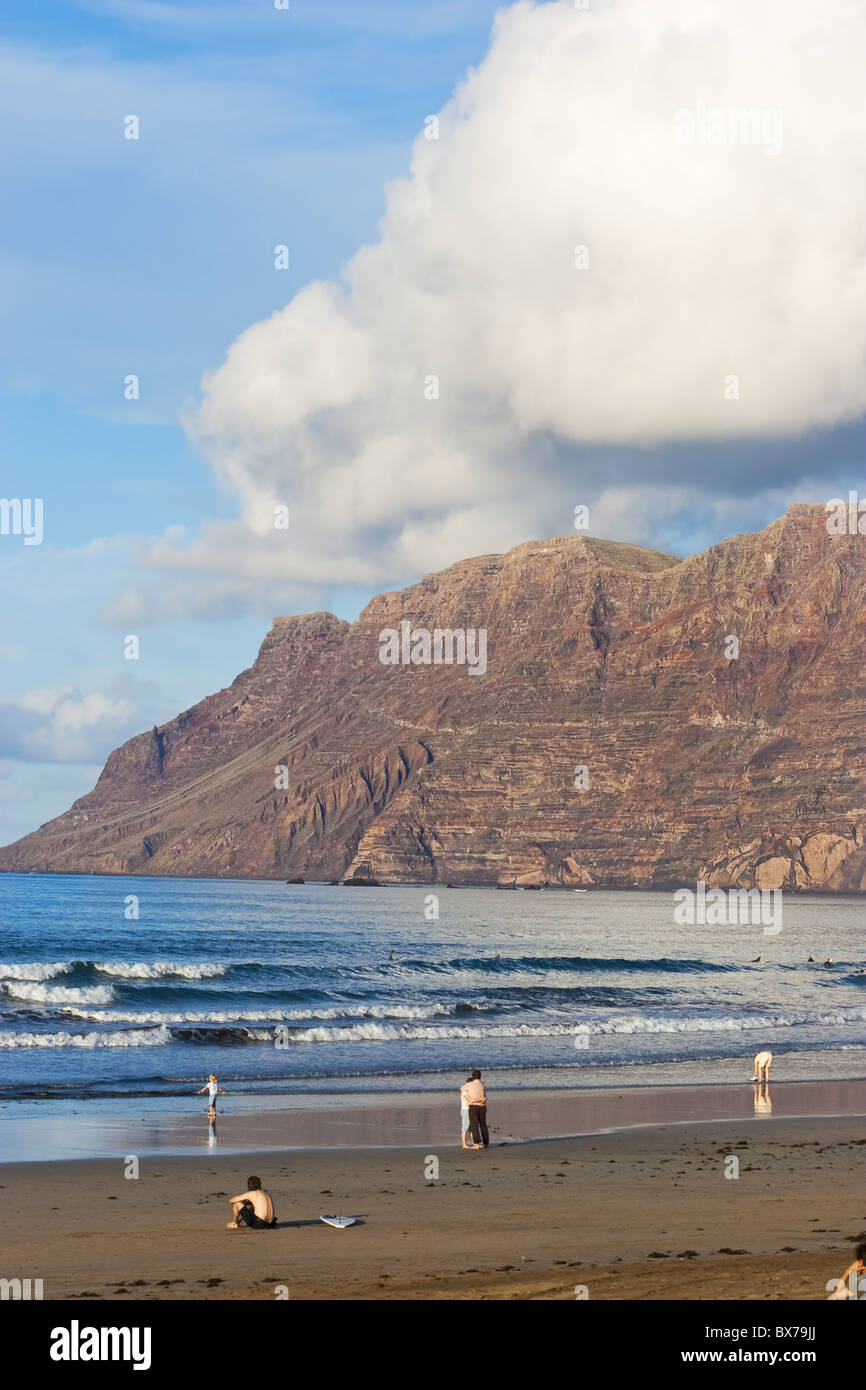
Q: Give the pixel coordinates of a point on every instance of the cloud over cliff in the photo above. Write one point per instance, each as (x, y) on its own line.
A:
(636, 225)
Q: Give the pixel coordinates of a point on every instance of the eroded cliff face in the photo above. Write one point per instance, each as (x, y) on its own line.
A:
(744, 771)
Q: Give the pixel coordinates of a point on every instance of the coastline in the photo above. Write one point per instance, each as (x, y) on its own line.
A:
(666, 887)
(639, 1214)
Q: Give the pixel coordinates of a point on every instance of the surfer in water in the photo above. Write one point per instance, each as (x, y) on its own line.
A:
(213, 1089)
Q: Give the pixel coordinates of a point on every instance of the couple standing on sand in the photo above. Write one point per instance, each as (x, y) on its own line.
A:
(473, 1112)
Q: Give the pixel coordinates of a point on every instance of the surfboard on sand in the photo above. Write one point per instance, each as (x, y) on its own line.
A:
(340, 1222)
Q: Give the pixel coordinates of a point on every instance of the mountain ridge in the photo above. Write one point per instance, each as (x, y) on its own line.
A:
(602, 655)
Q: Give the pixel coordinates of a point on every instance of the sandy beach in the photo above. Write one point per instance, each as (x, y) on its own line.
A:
(639, 1213)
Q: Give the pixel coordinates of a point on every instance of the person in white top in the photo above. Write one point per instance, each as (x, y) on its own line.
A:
(762, 1064)
(464, 1117)
(213, 1089)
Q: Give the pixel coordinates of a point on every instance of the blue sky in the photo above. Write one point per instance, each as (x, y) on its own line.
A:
(258, 127)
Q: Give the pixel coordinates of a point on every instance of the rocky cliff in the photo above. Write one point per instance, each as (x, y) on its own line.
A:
(744, 769)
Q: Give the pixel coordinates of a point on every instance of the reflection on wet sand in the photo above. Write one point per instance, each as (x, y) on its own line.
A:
(763, 1103)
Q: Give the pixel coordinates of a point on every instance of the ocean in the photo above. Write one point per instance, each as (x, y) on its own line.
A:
(290, 990)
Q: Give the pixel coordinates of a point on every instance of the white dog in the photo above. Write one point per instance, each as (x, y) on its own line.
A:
(762, 1065)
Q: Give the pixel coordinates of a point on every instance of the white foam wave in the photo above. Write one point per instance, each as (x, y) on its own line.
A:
(122, 970)
(34, 970)
(159, 970)
(133, 1037)
(383, 1032)
(372, 1031)
(639, 1024)
(275, 1016)
(60, 994)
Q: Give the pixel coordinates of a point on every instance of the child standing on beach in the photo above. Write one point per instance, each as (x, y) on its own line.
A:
(213, 1089)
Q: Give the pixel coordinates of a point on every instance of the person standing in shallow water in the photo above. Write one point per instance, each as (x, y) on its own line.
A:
(213, 1089)
(476, 1093)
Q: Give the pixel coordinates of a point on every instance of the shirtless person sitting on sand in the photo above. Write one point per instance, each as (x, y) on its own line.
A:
(253, 1210)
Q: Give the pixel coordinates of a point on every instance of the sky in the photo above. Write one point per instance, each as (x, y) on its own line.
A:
(535, 256)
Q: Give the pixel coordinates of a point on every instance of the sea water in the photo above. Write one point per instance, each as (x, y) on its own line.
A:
(286, 990)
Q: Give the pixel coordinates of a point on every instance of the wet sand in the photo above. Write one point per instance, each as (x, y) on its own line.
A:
(249, 1124)
(643, 1213)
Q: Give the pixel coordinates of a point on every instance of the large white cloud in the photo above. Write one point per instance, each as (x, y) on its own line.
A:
(706, 261)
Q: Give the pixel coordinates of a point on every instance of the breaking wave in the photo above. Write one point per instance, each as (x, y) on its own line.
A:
(160, 970)
(132, 1037)
(384, 1032)
(229, 1030)
(277, 1015)
(121, 970)
(59, 994)
(35, 970)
